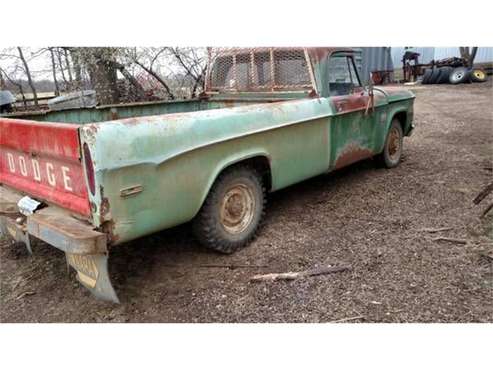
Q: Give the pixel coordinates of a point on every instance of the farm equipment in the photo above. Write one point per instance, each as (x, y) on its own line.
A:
(450, 70)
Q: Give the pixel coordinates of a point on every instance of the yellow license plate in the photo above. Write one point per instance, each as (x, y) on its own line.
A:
(12, 230)
(86, 267)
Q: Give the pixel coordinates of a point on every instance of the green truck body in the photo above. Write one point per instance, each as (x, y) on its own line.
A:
(154, 164)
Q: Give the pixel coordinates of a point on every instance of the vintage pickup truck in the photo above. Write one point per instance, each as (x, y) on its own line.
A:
(86, 180)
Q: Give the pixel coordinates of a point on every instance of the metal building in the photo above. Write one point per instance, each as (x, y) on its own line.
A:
(371, 59)
(484, 54)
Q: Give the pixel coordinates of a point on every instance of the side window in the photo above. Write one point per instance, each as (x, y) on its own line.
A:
(352, 71)
(341, 75)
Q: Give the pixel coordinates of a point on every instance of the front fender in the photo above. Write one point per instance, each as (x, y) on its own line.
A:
(395, 109)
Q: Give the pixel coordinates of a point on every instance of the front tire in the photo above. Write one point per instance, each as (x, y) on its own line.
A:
(392, 151)
(232, 211)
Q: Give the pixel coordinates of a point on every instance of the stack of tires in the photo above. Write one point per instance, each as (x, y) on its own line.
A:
(446, 74)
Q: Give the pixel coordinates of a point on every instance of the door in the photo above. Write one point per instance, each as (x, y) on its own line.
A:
(353, 125)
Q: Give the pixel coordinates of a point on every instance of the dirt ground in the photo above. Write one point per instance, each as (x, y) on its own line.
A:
(369, 218)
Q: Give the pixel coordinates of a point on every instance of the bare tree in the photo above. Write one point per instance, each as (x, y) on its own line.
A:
(2, 81)
(133, 81)
(67, 63)
(53, 67)
(146, 59)
(117, 74)
(100, 64)
(28, 75)
(16, 84)
(61, 68)
(192, 60)
(75, 55)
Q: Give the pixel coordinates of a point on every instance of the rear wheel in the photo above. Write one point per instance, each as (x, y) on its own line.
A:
(459, 75)
(392, 151)
(232, 211)
(477, 75)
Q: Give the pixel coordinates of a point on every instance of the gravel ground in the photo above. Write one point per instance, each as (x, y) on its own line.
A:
(369, 218)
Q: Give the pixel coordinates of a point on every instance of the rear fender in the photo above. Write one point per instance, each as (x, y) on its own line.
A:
(232, 159)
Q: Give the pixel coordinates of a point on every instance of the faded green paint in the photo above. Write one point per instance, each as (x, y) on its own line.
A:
(177, 157)
(174, 151)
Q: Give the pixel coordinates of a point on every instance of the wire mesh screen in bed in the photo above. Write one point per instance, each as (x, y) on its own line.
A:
(259, 69)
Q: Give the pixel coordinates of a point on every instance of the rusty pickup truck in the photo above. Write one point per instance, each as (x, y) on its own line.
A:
(87, 180)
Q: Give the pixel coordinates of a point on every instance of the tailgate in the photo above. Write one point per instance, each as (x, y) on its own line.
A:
(43, 160)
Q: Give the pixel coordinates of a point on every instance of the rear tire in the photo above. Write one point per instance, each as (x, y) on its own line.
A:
(392, 151)
(444, 75)
(434, 76)
(232, 212)
(426, 76)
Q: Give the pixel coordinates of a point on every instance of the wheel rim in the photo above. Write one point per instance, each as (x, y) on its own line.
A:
(479, 74)
(237, 209)
(394, 144)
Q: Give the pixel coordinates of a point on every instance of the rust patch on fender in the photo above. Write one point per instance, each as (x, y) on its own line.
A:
(104, 210)
(352, 153)
(107, 223)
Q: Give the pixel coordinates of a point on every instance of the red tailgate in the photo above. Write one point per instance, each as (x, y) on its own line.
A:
(42, 159)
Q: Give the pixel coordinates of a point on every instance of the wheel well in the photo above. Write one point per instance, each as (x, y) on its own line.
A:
(261, 164)
(402, 118)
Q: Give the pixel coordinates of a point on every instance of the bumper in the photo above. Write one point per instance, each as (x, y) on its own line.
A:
(85, 249)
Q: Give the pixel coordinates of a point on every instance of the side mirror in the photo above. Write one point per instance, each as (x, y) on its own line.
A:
(371, 102)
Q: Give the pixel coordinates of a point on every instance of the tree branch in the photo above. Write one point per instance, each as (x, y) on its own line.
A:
(157, 77)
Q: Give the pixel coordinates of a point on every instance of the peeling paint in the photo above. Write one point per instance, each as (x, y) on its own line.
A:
(350, 154)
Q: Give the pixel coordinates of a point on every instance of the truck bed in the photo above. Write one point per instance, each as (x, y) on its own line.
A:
(131, 110)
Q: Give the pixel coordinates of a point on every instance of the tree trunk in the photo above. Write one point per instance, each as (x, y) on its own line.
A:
(2, 81)
(69, 70)
(102, 72)
(199, 81)
(77, 68)
(53, 68)
(62, 69)
(28, 74)
(473, 56)
(468, 55)
(138, 87)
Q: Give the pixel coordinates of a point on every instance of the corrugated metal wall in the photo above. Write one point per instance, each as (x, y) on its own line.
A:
(427, 54)
(484, 54)
(371, 59)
